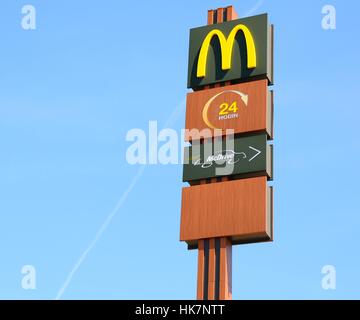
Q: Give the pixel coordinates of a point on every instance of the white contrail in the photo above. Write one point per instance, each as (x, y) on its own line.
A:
(177, 112)
(100, 231)
(171, 120)
(254, 8)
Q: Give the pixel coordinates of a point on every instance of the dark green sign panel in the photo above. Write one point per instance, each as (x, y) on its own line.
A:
(243, 156)
(234, 50)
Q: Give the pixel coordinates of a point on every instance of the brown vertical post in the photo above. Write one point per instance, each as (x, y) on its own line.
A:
(231, 13)
(215, 255)
(210, 19)
(212, 267)
(200, 274)
(225, 283)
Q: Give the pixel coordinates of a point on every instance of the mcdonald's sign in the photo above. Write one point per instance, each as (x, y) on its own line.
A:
(236, 50)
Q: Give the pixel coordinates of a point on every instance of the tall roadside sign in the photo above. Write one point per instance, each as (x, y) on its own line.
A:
(229, 164)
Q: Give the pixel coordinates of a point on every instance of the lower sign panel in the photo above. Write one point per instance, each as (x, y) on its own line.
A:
(240, 209)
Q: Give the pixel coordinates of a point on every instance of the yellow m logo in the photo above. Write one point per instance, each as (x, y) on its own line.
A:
(226, 46)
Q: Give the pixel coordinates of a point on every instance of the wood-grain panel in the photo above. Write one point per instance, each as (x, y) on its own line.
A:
(256, 116)
(239, 209)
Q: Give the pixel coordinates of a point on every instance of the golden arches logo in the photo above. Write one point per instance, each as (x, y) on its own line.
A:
(205, 113)
(226, 46)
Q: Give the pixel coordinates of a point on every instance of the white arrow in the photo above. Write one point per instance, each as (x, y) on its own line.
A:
(244, 97)
(257, 153)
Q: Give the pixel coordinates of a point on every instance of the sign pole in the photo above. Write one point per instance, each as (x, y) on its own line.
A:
(221, 209)
(214, 269)
(214, 281)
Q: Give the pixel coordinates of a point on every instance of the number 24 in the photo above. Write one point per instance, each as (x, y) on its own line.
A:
(226, 109)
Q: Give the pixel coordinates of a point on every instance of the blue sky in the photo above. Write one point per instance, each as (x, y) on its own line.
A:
(71, 90)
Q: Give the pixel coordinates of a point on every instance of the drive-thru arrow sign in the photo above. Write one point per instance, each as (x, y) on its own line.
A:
(250, 156)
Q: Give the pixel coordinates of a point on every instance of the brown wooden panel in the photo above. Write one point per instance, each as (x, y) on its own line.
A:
(239, 209)
(254, 112)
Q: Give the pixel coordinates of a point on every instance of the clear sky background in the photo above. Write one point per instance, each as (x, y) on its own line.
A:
(92, 70)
